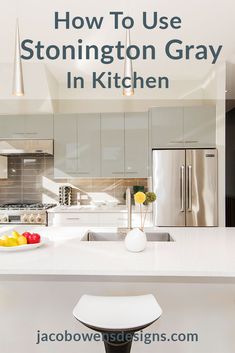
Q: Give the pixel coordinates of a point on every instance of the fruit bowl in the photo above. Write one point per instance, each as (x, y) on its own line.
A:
(22, 247)
(20, 242)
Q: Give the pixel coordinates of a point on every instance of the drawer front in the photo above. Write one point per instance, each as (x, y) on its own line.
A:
(96, 219)
(74, 219)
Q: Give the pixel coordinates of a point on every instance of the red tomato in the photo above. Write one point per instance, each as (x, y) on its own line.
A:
(33, 238)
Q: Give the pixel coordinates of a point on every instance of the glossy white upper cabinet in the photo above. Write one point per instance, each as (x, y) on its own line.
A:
(12, 126)
(183, 127)
(77, 145)
(200, 126)
(26, 126)
(39, 126)
(88, 145)
(65, 146)
(136, 145)
(167, 127)
(112, 145)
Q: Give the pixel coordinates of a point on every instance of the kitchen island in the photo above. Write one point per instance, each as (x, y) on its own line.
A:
(192, 277)
(194, 253)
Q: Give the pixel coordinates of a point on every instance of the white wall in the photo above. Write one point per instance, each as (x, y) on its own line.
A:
(93, 100)
(37, 99)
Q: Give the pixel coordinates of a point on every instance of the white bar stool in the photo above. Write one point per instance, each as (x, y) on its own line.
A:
(117, 318)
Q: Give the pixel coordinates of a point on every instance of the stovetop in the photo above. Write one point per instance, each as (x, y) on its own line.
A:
(26, 206)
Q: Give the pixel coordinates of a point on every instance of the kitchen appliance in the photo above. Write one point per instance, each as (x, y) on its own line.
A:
(185, 182)
(24, 213)
(21, 146)
(65, 195)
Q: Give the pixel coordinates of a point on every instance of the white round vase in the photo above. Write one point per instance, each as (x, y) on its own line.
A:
(135, 240)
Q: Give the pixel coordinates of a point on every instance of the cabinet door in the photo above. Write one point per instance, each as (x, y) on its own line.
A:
(88, 145)
(167, 127)
(199, 127)
(26, 126)
(112, 145)
(39, 126)
(73, 219)
(65, 146)
(12, 126)
(136, 145)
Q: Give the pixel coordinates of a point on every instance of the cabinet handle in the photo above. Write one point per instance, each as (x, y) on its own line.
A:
(189, 188)
(131, 172)
(31, 133)
(191, 141)
(19, 133)
(182, 188)
(118, 173)
(176, 141)
(76, 173)
(73, 218)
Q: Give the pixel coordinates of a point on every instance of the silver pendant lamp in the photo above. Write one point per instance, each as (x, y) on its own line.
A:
(18, 81)
(128, 70)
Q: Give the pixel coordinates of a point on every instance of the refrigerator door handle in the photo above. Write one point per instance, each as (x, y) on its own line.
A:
(189, 188)
(182, 188)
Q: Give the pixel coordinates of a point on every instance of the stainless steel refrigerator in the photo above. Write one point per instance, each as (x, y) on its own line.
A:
(185, 182)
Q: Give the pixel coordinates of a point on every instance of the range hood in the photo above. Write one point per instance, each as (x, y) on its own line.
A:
(11, 147)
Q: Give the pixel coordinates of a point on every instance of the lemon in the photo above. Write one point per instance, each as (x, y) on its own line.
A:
(21, 240)
(12, 242)
(4, 237)
(15, 235)
(5, 241)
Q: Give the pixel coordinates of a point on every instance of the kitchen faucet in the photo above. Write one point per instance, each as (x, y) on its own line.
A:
(129, 208)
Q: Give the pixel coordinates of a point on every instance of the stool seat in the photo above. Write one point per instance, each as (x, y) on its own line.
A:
(117, 312)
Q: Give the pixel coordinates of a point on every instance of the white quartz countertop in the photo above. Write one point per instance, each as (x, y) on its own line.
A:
(196, 252)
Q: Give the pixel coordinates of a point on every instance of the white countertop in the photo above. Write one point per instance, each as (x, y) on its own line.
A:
(196, 252)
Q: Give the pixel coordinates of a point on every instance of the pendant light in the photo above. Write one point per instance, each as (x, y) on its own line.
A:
(128, 70)
(18, 81)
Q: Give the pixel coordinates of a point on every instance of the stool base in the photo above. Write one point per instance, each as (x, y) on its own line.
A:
(117, 342)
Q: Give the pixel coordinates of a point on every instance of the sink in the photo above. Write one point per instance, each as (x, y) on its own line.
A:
(119, 236)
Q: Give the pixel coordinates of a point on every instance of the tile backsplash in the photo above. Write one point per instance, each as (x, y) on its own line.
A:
(30, 178)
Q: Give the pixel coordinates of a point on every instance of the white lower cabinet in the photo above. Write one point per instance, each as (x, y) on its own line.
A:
(120, 220)
(73, 219)
(96, 219)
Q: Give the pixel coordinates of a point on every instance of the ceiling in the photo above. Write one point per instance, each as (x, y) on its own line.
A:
(203, 22)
